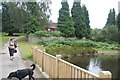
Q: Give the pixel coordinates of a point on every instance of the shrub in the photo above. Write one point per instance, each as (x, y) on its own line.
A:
(47, 34)
(54, 50)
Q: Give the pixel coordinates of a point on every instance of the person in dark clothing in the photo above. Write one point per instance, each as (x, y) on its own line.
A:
(11, 48)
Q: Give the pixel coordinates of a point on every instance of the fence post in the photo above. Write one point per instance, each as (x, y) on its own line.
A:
(43, 54)
(57, 66)
(34, 53)
(105, 75)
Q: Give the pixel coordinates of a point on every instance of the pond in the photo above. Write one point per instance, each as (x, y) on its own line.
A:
(97, 64)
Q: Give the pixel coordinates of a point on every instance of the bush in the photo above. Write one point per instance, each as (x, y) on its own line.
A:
(68, 42)
(69, 46)
(47, 34)
(54, 50)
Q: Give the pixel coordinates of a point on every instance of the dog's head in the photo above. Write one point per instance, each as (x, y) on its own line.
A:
(12, 74)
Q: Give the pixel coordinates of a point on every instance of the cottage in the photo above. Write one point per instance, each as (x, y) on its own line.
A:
(51, 26)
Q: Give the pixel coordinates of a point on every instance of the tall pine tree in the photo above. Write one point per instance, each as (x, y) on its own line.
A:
(118, 25)
(111, 18)
(87, 21)
(78, 18)
(65, 23)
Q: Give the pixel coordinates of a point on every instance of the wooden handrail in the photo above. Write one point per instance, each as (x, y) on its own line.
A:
(81, 69)
(54, 70)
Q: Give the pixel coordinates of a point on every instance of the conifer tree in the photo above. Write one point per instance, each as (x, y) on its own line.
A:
(118, 25)
(79, 21)
(65, 23)
(87, 21)
(111, 18)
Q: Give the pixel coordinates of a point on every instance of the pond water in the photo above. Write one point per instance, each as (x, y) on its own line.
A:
(97, 64)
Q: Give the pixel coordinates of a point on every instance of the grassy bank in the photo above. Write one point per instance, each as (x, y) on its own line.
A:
(65, 46)
(3, 40)
(71, 46)
(25, 48)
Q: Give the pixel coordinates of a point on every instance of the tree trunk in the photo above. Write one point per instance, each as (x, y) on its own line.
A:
(10, 33)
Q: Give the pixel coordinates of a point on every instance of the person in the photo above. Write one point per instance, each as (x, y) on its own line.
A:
(11, 48)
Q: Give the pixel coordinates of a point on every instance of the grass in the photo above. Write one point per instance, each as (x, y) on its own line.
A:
(25, 48)
(3, 40)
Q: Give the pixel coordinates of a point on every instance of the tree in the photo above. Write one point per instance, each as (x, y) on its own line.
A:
(102, 35)
(65, 23)
(16, 16)
(87, 21)
(7, 23)
(108, 34)
(79, 21)
(118, 25)
(36, 18)
(111, 18)
(94, 34)
(118, 21)
(70, 30)
(13, 16)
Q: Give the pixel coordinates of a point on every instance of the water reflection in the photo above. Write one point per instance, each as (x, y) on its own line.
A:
(94, 66)
(98, 63)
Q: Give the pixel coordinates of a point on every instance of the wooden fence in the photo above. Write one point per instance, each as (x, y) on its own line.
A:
(55, 67)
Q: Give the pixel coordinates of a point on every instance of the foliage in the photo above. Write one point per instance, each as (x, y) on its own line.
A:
(112, 33)
(31, 25)
(25, 48)
(79, 43)
(79, 20)
(7, 23)
(47, 34)
(65, 23)
(107, 34)
(54, 50)
(118, 25)
(111, 18)
(35, 18)
(24, 17)
(87, 21)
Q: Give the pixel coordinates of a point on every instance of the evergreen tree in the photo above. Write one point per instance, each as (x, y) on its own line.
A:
(87, 21)
(111, 18)
(79, 21)
(65, 23)
(118, 21)
(118, 25)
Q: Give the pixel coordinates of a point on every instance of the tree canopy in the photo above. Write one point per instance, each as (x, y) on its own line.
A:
(24, 17)
(111, 18)
(65, 23)
(79, 20)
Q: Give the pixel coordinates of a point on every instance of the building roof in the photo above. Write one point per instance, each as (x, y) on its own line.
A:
(51, 25)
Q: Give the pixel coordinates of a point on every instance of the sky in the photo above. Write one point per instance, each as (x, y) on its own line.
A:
(98, 10)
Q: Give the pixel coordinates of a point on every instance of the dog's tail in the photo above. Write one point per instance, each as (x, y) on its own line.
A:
(33, 66)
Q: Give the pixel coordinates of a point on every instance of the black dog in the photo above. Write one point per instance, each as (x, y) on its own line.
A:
(20, 74)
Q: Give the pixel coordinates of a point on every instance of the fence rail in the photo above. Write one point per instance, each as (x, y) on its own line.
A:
(56, 67)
